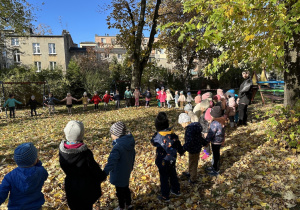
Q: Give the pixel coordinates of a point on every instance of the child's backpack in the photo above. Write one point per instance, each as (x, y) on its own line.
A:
(166, 142)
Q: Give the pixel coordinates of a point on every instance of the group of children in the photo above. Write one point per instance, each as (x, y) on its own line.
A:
(204, 125)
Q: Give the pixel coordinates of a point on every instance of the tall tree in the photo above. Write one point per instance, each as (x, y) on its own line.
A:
(132, 18)
(262, 32)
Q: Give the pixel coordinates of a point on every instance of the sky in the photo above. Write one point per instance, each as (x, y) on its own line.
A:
(81, 18)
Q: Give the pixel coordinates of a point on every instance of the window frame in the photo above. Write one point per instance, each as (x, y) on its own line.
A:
(17, 56)
(38, 67)
(52, 65)
(52, 49)
(36, 46)
(16, 41)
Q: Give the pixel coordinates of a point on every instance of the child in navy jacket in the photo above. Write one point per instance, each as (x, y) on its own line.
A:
(167, 145)
(26, 181)
(120, 163)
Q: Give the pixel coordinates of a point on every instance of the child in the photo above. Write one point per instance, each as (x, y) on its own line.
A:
(137, 95)
(198, 97)
(169, 98)
(106, 98)
(189, 98)
(230, 110)
(25, 182)
(220, 93)
(148, 97)
(68, 100)
(117, 98)
(96, 99)
(120, 162)
(217, 100)
(127, 97)
(50, 102)
(176, 99)
(162, 97)
(85, 101)
(157, 96)
(83, 174)
(230, 93)
(188, 109)
(167, 145)
(216, 135)
(33, 104)
(11, 102)
(193, 144)
(181, 99)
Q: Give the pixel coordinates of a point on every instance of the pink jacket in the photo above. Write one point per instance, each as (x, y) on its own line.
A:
(198, 99)
(69, 99)
(162, 96)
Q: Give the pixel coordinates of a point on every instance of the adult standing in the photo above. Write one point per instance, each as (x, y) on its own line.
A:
(127, 97)
(244, 98)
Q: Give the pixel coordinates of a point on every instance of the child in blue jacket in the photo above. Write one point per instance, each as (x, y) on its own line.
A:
(167, 145)
(120, 163)
(25, 182)
(11, 102)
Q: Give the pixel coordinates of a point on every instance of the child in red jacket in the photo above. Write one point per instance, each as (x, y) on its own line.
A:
(106, 98)
(96, 99)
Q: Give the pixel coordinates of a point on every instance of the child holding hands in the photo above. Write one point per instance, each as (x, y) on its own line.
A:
(69, 104)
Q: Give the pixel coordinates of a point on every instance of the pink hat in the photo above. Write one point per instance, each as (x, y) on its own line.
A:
(207, 114)
(199, 92)
(220, 92)
(206, 95)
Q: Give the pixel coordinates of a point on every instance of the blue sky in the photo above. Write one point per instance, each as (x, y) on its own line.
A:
(80, 18)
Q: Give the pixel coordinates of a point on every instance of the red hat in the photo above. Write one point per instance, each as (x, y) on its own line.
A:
(207, 114)
(199, 92)
(217, 98)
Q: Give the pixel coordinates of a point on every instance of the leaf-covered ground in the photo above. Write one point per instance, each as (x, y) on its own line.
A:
(256, 173)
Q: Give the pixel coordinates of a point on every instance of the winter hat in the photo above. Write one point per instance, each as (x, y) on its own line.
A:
(85, 94)
(189, 93)
(216, 112)
(207, 95)
(118, 129)
(25, 155)
(231, 91)
(229, 94)
(74, 131)
(217, 98)
(204, 104)
(181, 92)
(220, 92)
(188, 107)
(95, 92)
(161, 121)
(32, 97)
(199, 92)
(157, 89)
(184, 118)
(231, 102)
(207, 114)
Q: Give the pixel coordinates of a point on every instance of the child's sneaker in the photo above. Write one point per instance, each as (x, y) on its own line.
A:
(163, 198)
(175, 193)
(213, 173)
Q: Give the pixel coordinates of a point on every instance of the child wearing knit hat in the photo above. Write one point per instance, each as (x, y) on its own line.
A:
(198, 97)
(167, 145)
(120, 163)
(69, 100)
(26, 181)
(83, 174)
(189, 98)
(176, 99)
(193, 144)
(96, 99)
(85, 100)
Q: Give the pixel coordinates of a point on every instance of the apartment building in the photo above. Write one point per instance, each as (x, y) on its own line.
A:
(38, 51)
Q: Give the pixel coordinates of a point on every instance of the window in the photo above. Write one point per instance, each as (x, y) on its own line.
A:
(103, 40)
(38, 66)
(113, 41)
(17, 56)
(52, 65)
(162, 51)
(36, 48)
(15, 41)
(106, 55)
(52, 48)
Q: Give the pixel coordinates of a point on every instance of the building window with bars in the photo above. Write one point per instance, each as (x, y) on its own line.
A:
(15, 41)
(52, 65)
(36, 48)
(51, 48)
(38, 66)
(103, 40)
(17, 56)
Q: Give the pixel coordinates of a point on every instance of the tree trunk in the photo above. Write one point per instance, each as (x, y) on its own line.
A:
(292, 76)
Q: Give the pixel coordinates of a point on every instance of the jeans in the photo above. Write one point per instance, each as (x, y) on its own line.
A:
(128, 102)
(117, 104)
(124, 196)
(243, 114)
(12, 112)
(33, 110)
(167, 172)
(169, 105)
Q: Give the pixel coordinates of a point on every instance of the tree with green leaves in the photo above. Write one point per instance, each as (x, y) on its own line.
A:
(132, 18)
(264, 33)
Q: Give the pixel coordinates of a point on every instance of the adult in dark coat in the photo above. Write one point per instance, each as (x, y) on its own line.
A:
(83, 174)
(244, 98)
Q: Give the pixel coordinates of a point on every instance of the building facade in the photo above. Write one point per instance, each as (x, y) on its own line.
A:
(37, 51)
